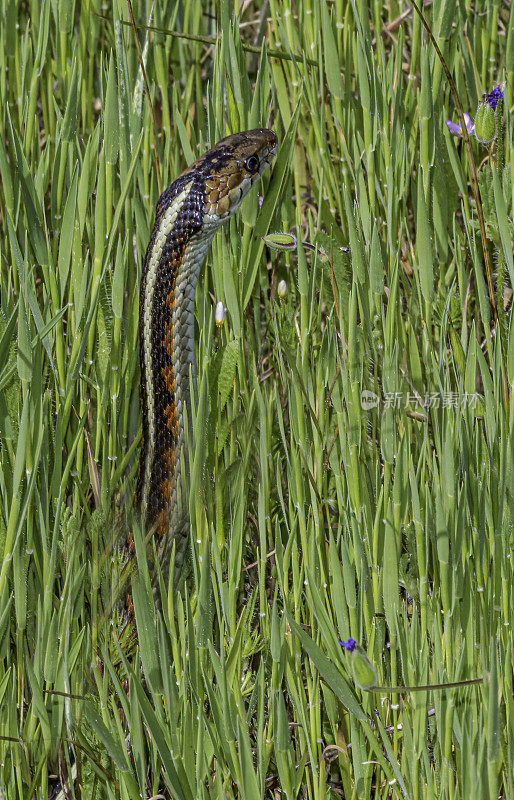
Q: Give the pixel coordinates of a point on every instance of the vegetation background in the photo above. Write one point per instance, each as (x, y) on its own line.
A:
(313, 519)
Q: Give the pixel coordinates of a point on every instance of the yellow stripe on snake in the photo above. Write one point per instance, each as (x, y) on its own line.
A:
(188, 215)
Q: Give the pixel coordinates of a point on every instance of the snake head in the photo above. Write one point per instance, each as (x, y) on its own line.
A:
(230, 169)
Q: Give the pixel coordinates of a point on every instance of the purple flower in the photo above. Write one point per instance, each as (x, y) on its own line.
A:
(456, 128)
(494, 97)
(350, 645)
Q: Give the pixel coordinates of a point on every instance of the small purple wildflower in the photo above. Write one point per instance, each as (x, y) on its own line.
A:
(350, 645)
(494, 97)
(456, 128)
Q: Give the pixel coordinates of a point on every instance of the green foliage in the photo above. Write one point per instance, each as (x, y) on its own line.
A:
(316, 515)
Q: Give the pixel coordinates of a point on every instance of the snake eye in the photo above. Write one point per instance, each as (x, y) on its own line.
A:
(252, 164)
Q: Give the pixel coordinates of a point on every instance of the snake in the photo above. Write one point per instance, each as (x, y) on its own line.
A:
(188, 214)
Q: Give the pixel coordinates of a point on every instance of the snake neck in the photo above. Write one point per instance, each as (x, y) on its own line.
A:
(170, 272)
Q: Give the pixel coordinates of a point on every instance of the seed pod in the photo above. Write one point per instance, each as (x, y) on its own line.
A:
(364, 673)
(280, 241)
(485, 123)
(486, 119)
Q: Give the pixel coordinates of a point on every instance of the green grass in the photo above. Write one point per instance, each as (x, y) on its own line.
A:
(312, 518)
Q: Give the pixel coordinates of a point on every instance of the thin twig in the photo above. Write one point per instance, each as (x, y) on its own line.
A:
(213, 40)
(425, 688)
(332, 443)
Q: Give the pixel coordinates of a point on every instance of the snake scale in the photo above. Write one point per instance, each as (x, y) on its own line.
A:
(188, 215)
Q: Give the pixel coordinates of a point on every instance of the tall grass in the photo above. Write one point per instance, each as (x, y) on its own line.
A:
(313, 518)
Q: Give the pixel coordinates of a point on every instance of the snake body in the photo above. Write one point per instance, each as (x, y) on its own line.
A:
(188, 215)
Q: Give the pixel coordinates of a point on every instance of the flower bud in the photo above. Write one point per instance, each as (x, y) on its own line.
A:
(282, 290)
(220, 314)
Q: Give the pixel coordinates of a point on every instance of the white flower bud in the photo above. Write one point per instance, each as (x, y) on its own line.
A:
(282, 290)
(220, 314)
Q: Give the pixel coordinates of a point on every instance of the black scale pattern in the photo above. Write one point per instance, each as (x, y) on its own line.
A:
(188, 222)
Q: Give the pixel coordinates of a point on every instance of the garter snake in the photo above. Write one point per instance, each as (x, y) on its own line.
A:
(188, 215)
